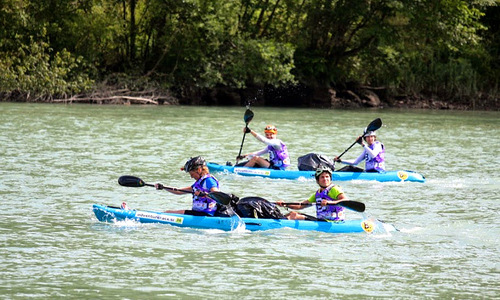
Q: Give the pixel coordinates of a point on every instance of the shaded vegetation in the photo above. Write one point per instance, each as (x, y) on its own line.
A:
(311, 52)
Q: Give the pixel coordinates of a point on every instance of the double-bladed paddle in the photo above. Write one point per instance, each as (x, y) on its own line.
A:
(247, 117)
(225, 199)
(349, 204)
(374, 125)
(132, 181)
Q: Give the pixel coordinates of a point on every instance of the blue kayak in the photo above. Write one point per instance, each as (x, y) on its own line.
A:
(113, 214)
(336, 176)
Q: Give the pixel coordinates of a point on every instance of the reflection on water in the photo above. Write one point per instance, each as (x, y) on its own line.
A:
(57, 160)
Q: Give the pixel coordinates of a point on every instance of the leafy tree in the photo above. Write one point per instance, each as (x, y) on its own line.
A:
(444, 48)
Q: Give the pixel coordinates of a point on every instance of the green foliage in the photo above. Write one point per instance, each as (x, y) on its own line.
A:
(447, 48)
(436, 51)
(207, 49)
(32, 71)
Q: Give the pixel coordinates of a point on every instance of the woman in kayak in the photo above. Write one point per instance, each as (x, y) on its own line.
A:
(325, 199)
(278, 153)
(373, 154)
(205, 183)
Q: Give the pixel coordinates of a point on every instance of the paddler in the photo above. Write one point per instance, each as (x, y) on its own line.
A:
(204, 184)
(325, 199)
(373, 154)
(278, 153)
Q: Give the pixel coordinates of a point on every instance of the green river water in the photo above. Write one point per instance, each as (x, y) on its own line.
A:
(58, 160)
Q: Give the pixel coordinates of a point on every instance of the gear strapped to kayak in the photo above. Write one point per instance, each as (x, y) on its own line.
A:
(312, 161)
(257, 207)
(248, 207)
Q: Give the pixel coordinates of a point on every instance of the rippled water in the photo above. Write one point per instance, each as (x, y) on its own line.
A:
(57, 160)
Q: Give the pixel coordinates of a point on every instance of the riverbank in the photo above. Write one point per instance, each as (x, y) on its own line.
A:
(297, 96)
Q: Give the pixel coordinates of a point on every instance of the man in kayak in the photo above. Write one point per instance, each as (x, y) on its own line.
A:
(278, 153)
(205, 183)
(373, 155)
(325, 199)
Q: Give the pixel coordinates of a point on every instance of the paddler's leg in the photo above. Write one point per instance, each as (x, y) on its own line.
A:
(181, 212)
(259, 161)
(293, 215)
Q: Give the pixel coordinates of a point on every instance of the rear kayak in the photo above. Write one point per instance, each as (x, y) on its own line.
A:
(113, 214)
(336, 176)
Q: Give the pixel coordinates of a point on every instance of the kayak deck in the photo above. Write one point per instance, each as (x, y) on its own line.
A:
(387, 176)
(112, 214)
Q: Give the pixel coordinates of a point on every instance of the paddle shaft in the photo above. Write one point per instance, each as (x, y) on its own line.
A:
(243, 140)
(170, 188)
(225, 199)
(347, 150)
(353, 205)
(175, 189)
(374, 125)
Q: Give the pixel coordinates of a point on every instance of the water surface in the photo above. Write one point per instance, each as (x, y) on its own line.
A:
(57, 160)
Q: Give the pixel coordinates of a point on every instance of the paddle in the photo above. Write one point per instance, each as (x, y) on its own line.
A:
(225, 199)
(374, 125)
(132, 181)
(220, 197)
(350, 204)
(247, 118)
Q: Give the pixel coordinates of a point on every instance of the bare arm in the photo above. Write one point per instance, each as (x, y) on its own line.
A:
(356, 161)
(257, 153)
(177, 191)
(340, 198)
(301, 205)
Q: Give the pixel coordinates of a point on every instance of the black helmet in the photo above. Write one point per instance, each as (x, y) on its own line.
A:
(320, 170)
(193, 163)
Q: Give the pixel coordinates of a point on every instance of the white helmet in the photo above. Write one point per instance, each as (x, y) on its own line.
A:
(370, 133)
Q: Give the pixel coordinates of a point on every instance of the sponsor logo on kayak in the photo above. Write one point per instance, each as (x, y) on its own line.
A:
(159, 217)
(263, 172)
(402, 175)
(367, 226)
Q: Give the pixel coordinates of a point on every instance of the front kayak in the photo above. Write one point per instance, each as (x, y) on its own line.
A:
(336, 176)
(113, 214)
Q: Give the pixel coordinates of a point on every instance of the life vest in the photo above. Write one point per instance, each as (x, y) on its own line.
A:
(204, 203)
(279, 158)
(378, 162)
(328, 212)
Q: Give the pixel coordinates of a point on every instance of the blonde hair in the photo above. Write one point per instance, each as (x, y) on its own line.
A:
(204, 170)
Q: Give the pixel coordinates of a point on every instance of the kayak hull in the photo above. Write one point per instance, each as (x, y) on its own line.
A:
(113, 214)
(388, 176)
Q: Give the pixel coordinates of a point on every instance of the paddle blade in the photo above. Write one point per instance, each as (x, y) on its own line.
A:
(131, 181)
(353, 205)
(374, 125)
(248, 116)
(220, 197)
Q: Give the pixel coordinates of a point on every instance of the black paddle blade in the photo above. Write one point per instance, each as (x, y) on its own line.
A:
(248, 116)
(131, 181)
(220, 197)
(374, 125)
(353, 205)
